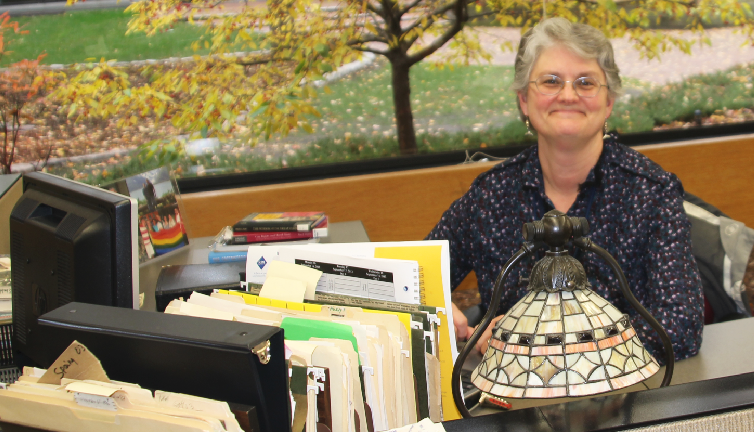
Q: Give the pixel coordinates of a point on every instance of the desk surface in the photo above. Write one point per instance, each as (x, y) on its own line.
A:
(725, 351)
(198, 251)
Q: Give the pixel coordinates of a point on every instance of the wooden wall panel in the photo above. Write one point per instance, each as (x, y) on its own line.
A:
(394, 206)
(405, 205)
(720, 172)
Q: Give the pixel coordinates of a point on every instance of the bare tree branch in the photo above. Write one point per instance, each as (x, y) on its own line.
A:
(460, 13)
(436, 14)
(408, 7)
(366, 39)
(371, 50)
(378, 9)
(481, 15)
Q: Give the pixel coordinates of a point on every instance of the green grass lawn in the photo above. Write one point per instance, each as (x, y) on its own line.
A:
(467, 98)
(472, 97)
(73, 37)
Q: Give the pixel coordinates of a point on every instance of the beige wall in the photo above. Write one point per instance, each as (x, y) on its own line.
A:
(720, 171)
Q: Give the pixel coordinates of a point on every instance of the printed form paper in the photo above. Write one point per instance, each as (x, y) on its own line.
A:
(380, 279)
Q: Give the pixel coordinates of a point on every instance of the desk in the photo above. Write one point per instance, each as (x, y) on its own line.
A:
(725, 357)
(197, 253)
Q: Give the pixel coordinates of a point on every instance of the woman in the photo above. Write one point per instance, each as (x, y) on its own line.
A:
(567, 82)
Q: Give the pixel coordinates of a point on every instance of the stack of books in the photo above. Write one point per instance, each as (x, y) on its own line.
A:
(257, 229)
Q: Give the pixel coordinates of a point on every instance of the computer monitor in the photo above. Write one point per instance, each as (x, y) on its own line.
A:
(69, 242)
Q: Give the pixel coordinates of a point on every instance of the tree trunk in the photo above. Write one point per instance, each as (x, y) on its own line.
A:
(404, 118)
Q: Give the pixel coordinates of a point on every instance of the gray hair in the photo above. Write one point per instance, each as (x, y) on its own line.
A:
(583, 40)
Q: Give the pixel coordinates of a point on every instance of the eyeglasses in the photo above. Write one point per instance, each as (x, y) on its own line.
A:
(550, 85)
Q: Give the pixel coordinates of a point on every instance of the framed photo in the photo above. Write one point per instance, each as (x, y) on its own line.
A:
(161, 226)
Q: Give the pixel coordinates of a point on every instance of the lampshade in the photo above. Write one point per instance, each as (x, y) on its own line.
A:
(562, 339)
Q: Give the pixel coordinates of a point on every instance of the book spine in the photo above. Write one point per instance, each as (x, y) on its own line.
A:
(259, 237)
(278, 225)
(275, 236)
(221, 257)
(297, 227)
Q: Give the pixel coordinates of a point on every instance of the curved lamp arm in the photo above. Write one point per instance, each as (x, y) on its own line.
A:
(526, 249)
(587, 244)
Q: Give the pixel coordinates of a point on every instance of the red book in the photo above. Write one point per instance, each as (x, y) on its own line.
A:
(280, 221)
(273, 236)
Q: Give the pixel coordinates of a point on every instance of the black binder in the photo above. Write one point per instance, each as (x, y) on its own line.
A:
(177, 281)
(203, 357)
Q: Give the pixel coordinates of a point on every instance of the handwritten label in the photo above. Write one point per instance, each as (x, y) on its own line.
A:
(76, 362)
(336, 311)
(193, 403)
(94, 401)
(66, 364)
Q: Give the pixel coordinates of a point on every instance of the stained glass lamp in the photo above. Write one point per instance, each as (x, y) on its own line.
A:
(562, 339)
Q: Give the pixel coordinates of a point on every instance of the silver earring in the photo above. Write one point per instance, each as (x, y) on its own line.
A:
(528, 127)
(607, 135)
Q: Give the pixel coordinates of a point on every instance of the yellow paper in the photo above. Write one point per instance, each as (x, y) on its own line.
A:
(178, 307)
(433, 294)
(283, 289)
(308, 276)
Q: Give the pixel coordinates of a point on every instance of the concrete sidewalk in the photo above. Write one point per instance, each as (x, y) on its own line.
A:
(60, 7)
(727, 49)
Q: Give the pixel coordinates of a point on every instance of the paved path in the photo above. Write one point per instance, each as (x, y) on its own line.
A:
(726, 51)
(57, 7)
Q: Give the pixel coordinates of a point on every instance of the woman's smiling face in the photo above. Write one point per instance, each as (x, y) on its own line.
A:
(566, 115)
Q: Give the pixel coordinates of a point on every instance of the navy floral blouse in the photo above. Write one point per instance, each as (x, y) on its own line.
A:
(635, 212)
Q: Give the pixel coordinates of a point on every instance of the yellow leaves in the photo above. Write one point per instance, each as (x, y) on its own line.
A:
(244, 35)
(215, 95)
(72, 109)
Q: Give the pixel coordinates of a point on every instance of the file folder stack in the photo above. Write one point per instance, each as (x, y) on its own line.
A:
(351, 368)
(368, 329)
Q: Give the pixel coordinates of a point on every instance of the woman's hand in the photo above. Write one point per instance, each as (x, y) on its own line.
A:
(484, 340)
(463, 331)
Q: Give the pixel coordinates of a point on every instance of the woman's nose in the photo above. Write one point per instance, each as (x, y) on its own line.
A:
(568, 92)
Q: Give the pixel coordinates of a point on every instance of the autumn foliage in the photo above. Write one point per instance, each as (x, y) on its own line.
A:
(20, 84)
(286, 45)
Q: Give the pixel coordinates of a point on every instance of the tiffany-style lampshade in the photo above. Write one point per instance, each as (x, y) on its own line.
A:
(562, 339)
